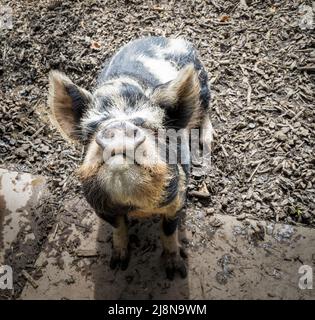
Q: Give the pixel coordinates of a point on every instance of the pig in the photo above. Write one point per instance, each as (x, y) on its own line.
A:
(150, 84)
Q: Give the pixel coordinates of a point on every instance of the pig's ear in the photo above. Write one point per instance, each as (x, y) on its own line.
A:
(180, 98)
(68, 103)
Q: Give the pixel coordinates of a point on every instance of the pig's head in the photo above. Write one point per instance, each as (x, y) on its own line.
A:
(119, 124)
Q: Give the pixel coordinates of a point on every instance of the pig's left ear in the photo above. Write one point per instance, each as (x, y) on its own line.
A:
(68, 103)
(180, 98)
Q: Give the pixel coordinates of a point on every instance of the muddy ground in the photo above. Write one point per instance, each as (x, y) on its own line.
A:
(260, 61)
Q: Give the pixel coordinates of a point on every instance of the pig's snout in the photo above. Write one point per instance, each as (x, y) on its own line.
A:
(120, 139)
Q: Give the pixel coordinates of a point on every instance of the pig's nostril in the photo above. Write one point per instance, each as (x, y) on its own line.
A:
(132, 133)
(103, 137)
(139, 141)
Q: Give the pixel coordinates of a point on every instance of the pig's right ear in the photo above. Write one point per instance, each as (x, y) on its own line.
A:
(180, 98)
(68, 103)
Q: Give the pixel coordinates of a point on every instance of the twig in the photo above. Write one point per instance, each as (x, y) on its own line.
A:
(224, 151)
(255, 170)
(224, 62)
(297, 115)
(249, 94)
(37, 132)
(55, 231)
(29, 278)
(87, 253)
(158, 8)
(309, 67)
(199, 194)
(73, 158)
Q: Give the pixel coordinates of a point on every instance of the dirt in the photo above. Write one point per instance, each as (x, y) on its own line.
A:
(233, 260)
(24, 223)
(260, 63)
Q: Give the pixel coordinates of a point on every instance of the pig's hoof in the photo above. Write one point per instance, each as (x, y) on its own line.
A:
(174, 262)
(119, 259)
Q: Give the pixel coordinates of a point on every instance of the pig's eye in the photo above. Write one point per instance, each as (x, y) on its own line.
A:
(138, 121)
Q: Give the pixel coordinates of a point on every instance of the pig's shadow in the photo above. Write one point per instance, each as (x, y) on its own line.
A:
(145, 277)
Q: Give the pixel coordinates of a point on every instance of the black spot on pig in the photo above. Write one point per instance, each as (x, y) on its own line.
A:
(172, 187)
(79, 101)
(105, 103)
(169, 225)
(132, 95)
(138, 121)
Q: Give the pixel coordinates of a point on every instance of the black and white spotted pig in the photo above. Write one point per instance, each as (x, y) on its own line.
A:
(150, 84)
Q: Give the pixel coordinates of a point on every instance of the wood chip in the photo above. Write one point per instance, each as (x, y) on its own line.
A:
(199, 194)
(86, 253)
(29, 278)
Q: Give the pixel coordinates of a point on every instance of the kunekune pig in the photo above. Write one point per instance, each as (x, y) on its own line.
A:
(150, 84)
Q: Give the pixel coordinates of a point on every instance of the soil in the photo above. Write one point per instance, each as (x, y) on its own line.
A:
(260, 61)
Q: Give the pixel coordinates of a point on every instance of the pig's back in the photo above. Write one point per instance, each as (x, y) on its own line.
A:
(152, 61)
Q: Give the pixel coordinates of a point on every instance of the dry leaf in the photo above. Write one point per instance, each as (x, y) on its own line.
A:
(95, 45)
(158, 8)
(204, 188)
(225, 18)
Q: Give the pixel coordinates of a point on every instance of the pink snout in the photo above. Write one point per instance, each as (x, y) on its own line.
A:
(120, 138)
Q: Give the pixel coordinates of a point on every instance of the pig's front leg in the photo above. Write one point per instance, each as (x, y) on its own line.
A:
(207, 133)
(120, 254)
(172, 252)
